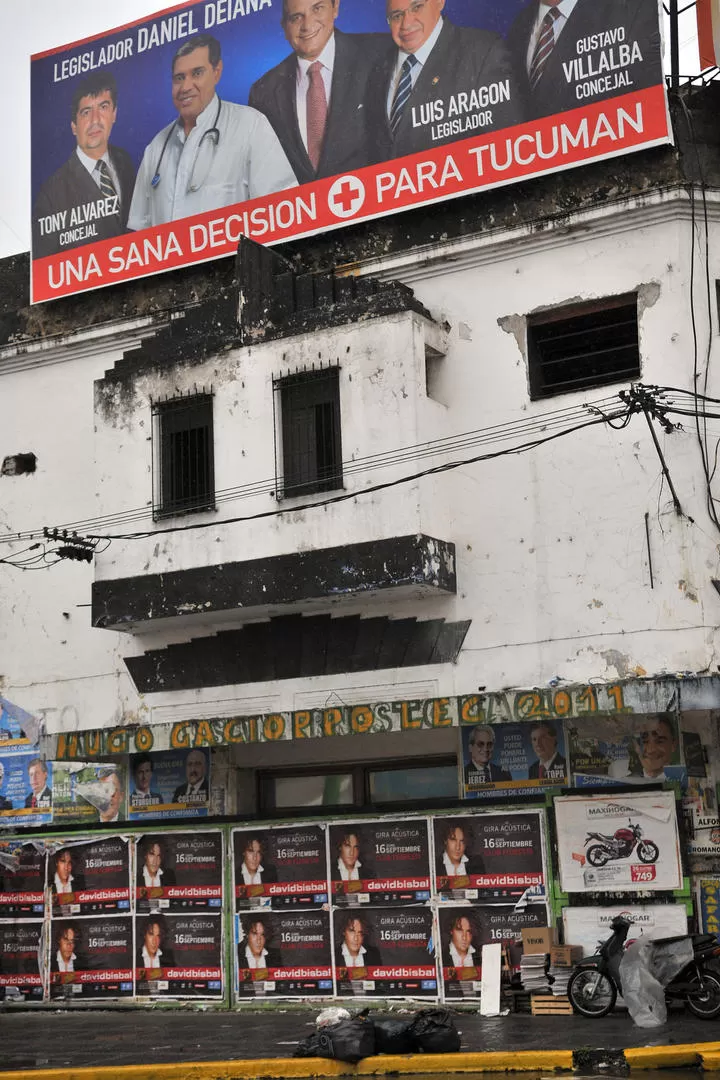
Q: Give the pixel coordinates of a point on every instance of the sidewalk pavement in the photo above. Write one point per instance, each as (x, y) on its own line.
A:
(43, 1044)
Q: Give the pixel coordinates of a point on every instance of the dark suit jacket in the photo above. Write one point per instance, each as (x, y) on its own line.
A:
(554, 93)
(372, 957)
(168, 877)
(5, 804)
(167, 959)
(72, 186)
(474, 865)
(462, 59)
(559, 763)
(78, 884)
(181, 793)
(497, 775)
(46, 793)
(350, 141)
(80, 963)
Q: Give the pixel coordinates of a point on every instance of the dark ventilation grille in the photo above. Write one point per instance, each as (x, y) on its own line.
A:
(185, 475)
(311, 458)
(583, 345)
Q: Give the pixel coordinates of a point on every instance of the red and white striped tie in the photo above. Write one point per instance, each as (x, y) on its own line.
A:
(545, 45)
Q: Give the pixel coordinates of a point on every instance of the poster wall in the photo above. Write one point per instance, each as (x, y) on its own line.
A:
(587, 926)
(385, 952)
(625, 843)
(91, 958)
(89, 878)
(179, 955)
(489, 857)
(186, 172)
(22, 879)
(285, 867)
(20, 966)
(513, 759)
(283, 954)
(179, 871)
(380, 862)
(169, 784)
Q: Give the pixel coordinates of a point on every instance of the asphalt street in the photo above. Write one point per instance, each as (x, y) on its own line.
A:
(57, 1039)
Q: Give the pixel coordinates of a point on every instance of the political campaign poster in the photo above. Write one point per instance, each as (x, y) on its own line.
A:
(169, 784)
(707, 891)
(627, 748)
(385, 952)
(22, 879)
(179, 955)
(283, 954)
(20, 961)
(379, 862)
(490, 858)
(26, 788)
(19, 729)
(89, 877)
(589, 926)
(507, 760)
(91, 958)
(140, 166)
(88, 793)
(465, 928)
(282, 867)
(179, 872)
(623, 843)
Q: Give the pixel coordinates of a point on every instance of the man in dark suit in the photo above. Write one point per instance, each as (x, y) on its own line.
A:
(443, 82)
(253, 953)
(87, 198)
(480, 769)
(196, 789)
(550, 765)
(315, 98)
(40, 791)
(543, 42)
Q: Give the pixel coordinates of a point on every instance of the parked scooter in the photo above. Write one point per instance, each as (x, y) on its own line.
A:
(594, 984)
(620, 846)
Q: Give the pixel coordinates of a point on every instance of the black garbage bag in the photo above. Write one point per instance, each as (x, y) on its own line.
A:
(350, 1040)
(393, 1037)
(433, 1031)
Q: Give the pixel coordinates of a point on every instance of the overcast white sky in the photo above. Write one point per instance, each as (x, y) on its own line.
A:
(36, 25)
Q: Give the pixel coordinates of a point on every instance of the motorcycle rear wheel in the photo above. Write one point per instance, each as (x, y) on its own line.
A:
(705, 1001)
(597, 855)
(592, 993)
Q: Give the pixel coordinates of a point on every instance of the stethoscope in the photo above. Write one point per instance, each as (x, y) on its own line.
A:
(213, 132)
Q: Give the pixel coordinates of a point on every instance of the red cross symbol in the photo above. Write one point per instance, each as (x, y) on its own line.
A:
(346, 196)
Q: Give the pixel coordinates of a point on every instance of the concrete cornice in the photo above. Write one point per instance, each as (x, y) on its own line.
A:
(469, 252)
(89, 341)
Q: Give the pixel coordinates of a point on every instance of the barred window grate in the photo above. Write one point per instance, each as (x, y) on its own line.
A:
(310, 428)
(185, 474)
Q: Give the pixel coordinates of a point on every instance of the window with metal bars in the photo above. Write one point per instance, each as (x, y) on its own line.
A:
(311, 458)
(583, 345)
(183, 458)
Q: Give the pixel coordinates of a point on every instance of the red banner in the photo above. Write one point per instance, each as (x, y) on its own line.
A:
(591, 133)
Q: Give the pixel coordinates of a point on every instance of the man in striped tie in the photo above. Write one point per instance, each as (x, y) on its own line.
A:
(88, 197)
(549, 36)
(443, 82)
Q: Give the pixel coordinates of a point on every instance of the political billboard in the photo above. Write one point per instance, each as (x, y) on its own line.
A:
(26, 788)
(179, 872)
(89, 878)
(22, 879)
(285, 954)
(623, 843)
(385, 952)
(169, 784)
(629, 748)
(280, 867)
(159, 143)
(490, 858)
(380, 862)
(88, 793)
(507, 760)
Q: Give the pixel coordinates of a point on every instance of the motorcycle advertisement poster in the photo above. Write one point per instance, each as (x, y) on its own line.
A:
(586, 926)
(623, 843)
